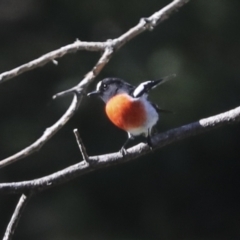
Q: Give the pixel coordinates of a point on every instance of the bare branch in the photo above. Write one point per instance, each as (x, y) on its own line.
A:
(81, 145)
(148, 23)
(151, 22)
(89, 76)
(49, 132)
(49, 57)
(108, 47)
(24, 199)
(159, 141)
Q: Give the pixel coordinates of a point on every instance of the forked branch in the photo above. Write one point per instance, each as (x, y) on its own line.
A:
(97, 162)
(107, 48)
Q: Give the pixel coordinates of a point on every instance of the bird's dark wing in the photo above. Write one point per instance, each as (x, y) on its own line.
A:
(145, 87)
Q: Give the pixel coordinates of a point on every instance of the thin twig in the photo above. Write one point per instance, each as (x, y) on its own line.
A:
(12, 225)
(159, 141)
(81, 145)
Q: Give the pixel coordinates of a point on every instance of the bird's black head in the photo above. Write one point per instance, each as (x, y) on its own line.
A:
(109, 87)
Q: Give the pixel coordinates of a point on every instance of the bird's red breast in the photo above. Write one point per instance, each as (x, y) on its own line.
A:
(126, 113)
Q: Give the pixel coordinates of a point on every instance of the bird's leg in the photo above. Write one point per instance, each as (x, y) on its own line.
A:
(123, 150)
(149, 141)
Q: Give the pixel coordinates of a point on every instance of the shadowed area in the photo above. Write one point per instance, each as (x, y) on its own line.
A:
(188, 190)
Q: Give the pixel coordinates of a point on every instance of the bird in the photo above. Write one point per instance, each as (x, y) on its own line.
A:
(128, 106)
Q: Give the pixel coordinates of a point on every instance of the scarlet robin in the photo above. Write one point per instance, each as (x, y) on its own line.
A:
(128, 107)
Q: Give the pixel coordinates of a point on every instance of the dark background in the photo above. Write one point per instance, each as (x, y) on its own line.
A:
(189, 190)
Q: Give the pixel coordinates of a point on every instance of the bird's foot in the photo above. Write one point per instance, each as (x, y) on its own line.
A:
(149, 142)
(123, 151)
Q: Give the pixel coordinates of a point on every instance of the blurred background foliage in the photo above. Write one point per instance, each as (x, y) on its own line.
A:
(189, 190)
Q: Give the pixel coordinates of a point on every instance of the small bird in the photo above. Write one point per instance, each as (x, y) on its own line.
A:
(128, 107)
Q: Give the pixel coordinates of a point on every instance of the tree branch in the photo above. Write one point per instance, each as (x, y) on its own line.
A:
(108, 47)
(97, 162)
(12, 225)
(148, 23)
(81, 145)
(49, 132)
(104, 59)
(51, 56)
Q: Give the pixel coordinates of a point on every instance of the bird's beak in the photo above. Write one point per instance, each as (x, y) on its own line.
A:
(94, 93)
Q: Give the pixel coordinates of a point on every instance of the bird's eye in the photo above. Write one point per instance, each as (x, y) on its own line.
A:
(104, 86)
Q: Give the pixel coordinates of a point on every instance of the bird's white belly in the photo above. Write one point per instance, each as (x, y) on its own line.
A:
(151, 120)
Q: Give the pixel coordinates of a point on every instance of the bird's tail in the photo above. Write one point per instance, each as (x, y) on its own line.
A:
(162, 80)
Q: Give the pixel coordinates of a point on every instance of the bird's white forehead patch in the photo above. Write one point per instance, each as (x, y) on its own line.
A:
(98, 86)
